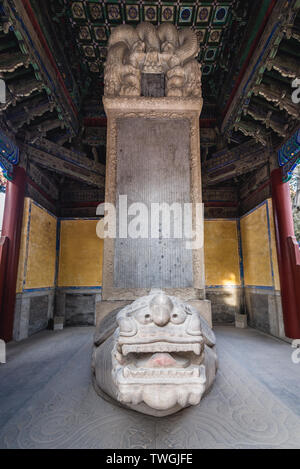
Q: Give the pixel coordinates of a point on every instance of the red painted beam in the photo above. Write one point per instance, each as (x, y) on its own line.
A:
(11, 228)
(287, 255)
(95, 122)
(257, 191)
(295, 261)
(40, 190)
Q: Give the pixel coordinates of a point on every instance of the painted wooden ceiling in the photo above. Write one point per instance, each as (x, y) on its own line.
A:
(94, 21)
(52, 64)
(84, 27)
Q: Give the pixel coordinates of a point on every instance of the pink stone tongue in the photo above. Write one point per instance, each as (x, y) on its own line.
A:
(161, 360)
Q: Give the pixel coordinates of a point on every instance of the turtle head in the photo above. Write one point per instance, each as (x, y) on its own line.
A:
(158, 356)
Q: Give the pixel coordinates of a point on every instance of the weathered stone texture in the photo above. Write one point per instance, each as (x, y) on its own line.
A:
(38, 318)
(80, 309)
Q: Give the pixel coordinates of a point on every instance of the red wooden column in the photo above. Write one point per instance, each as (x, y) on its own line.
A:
(11, 228)
(284, 227)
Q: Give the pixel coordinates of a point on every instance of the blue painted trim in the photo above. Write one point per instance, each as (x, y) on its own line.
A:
(43, 289)
(9, 150)
(256, 287)
(289, 156)
(293, 147)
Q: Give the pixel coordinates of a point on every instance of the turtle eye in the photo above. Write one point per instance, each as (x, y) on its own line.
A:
(178, 316)
(127, 326)
(144, 316)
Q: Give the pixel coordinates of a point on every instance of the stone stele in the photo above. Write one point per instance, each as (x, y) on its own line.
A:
(156, 355)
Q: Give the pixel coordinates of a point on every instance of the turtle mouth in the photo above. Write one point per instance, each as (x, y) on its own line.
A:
(160, 363)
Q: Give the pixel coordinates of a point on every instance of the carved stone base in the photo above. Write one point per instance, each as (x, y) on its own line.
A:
(241, 321)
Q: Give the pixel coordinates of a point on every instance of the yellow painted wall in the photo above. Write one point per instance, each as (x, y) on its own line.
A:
(38, 248)
(221, 249)
(81, 254)
(81, 251)
(256, 248)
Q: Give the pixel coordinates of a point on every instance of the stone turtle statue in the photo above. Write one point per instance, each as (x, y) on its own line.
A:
(156, 355)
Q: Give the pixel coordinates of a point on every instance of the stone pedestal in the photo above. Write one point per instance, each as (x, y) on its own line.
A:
(241, 321)
(58, 323)
(153, 156)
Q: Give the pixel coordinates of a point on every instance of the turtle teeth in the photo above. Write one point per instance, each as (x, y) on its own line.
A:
(182, 398)
(161, 347)
(197, 349)
(166, 373)
(119, 348)
(194, 398)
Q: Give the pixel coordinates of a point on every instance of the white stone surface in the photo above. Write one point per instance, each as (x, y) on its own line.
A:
(160, 359)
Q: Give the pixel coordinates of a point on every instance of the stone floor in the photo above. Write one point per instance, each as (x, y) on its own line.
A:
(47, 401)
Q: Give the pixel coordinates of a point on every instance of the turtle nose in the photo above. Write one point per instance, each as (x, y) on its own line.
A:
(161, 316)
(161, 307)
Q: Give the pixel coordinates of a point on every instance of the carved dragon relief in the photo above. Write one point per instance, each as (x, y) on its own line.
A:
(147, 49)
